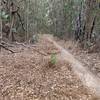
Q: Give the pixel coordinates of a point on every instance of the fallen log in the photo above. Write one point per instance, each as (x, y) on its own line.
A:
(1, 45)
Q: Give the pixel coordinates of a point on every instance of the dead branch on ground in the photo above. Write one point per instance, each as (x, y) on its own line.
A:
(1, 45)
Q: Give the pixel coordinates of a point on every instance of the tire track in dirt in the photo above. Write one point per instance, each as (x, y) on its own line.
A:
(88, 79)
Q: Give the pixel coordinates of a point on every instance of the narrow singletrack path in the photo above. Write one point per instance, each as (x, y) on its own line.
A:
(84, 74)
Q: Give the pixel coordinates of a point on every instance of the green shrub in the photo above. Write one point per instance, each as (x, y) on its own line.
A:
(53, 59)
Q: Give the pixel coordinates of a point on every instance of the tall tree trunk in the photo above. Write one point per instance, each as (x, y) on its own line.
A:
(11, 38)
(90, 6)
(0, 24)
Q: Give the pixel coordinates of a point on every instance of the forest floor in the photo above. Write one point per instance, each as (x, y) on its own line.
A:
(29, 74)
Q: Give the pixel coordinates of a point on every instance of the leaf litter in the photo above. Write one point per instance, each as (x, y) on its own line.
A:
(28, 75)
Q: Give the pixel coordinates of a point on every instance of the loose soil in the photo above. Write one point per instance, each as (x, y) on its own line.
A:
(29, 75)
(89, 60)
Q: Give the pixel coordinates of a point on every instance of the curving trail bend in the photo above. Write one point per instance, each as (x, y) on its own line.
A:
(88, 79)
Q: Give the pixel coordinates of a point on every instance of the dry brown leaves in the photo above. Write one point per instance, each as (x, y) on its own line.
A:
(26, 76)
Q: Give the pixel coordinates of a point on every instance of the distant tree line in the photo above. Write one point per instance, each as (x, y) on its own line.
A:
(67, 19)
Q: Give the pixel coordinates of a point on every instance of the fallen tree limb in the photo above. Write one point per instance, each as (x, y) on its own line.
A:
(25, 45)
(6, 44)
(42, 53)
(1, 45)
(22, 44)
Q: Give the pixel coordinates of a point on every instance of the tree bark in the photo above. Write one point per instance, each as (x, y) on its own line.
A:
(0, 24)
(90, 6)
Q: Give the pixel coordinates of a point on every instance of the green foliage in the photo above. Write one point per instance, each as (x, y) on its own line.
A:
(57, 17)
(53, 59)
(3, 15)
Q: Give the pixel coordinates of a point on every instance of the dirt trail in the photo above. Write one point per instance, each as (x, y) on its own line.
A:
(85, 75)
(29, 75)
